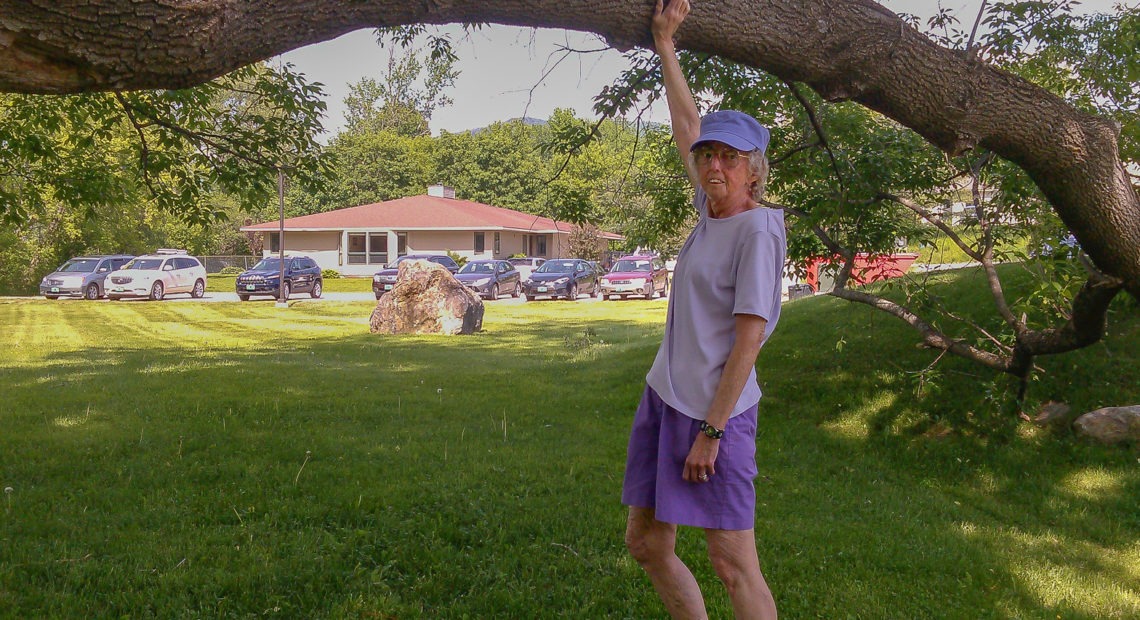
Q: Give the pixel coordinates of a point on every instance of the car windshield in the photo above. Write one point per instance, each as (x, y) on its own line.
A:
(627, 264)
(478, 268)
(556, 266)
(268, 263)
(144, 263)
(80, 265)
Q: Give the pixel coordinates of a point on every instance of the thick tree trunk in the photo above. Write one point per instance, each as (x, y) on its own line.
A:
(844, 49)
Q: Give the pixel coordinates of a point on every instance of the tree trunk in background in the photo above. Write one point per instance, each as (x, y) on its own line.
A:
(844, 49)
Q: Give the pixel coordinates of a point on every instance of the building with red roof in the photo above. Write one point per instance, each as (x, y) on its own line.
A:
(358, 241)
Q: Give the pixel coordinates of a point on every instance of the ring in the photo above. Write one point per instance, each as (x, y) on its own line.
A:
(703, 477)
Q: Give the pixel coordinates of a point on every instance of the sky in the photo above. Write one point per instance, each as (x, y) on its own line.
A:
(508, 72)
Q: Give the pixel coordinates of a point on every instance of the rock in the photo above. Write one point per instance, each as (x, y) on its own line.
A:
(427, 299)
(1110, 425)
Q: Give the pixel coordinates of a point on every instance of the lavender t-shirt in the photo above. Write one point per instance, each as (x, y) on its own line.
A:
(728, 266)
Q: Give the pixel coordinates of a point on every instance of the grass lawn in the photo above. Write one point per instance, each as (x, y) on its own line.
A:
(187, 459)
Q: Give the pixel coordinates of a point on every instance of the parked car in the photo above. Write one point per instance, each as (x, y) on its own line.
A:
(82, 276)
(489, 278)
(561, 277)
(636, 275)
(302, 275)
(157, 275)
(526, 264)
(385, 279)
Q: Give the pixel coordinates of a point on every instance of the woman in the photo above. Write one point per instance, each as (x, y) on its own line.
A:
(692, 448)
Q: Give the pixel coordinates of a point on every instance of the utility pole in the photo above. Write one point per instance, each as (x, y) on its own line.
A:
(281, 301)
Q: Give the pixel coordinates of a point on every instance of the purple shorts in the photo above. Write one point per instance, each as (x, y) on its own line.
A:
(658, 445)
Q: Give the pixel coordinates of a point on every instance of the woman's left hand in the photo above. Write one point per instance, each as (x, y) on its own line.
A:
(700, 465)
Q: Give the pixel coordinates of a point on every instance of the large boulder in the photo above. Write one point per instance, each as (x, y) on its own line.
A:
(1110, 425)
(427, 299)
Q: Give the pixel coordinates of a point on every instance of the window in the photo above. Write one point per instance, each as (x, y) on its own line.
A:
(274, 242)
(378, 248)
(480, 243)
(401, 244)
(357, 249)
(498, 245)
(540, 245)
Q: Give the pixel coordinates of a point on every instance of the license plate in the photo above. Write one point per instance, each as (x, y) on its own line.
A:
(387, 287)
(55, 289)
(249, 287)
(542, 289)
(118, 289)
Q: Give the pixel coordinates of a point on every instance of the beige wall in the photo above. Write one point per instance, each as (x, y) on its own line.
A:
(330, 249)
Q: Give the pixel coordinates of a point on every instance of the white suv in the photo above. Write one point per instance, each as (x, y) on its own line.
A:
(157, 275)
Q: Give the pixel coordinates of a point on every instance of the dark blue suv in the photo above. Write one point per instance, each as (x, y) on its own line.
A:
(302, 275)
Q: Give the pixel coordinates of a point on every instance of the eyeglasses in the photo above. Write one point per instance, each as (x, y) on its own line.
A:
(729, 158)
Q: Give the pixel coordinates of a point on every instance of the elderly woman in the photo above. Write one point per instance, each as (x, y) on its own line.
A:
(692, 449)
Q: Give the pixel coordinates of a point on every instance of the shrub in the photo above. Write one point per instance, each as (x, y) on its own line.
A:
(330, 274)
(459, 259)
(230, 271)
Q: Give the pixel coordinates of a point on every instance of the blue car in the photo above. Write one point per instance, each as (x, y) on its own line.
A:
(562, 277)
(490, 278)
(302, 275)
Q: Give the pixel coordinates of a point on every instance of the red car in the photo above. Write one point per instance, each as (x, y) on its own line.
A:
(644, 275)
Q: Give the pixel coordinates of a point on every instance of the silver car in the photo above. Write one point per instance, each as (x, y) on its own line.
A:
(82, 276)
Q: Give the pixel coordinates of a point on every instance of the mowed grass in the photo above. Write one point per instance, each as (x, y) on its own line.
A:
(188, 459)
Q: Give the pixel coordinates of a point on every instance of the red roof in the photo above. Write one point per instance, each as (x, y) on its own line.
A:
(422, 212)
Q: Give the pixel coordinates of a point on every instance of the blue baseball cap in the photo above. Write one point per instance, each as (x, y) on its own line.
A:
(736, 129)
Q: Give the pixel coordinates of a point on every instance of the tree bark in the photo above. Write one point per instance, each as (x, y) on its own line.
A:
(844, 49)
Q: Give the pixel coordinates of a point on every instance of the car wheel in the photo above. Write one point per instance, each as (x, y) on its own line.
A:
(243, 297)
(199, 289)
(665, 291)
(286, 289)
(157, 290)
(518, 291)
(572, 293)
(92, 291)
(318, 288)
(650, 291)
(494, 291)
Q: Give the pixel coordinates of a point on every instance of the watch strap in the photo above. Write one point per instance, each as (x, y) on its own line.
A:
(711, 431)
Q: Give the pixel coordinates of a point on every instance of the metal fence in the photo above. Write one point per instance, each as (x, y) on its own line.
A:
(215, 264)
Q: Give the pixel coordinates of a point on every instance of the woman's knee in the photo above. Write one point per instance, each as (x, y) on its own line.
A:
(648, 539)
(735, 562)
(729, 569)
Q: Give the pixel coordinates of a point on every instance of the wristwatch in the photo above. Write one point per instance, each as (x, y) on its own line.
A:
(711, 431)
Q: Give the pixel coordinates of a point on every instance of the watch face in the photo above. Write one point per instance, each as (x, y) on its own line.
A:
(710, 431)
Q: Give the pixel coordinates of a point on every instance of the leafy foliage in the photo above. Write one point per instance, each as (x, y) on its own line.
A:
(126, 171)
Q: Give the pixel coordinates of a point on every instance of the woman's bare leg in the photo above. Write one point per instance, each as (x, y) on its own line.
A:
(733, 556)
(653, 544)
